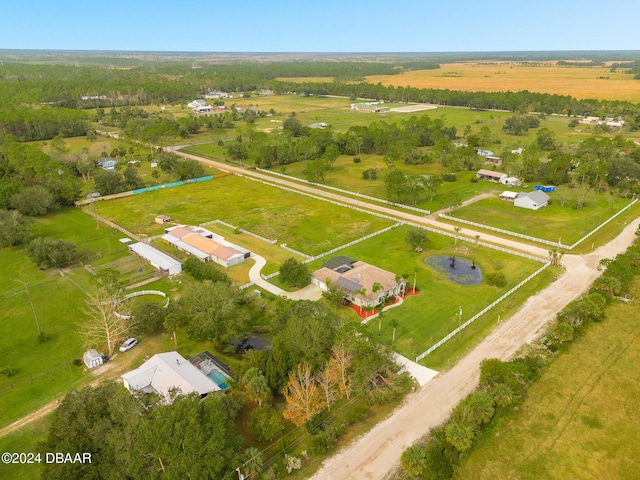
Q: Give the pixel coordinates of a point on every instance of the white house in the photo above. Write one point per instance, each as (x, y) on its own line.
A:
(532, 200)
(197, 103)
(167, 373)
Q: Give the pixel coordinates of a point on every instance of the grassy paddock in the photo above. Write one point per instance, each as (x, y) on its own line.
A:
(424, 319)
(305, 224)
(552, 223)
(577, 425)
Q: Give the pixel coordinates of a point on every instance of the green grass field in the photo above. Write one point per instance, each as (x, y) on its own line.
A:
(424, 319)
(580, 419)
(45, 371)
(553, 222)
(305, 224)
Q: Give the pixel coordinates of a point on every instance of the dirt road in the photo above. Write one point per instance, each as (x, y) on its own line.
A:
(505, 242)
(378, 452)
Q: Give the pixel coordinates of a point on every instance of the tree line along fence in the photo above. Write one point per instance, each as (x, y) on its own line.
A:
(109, 223)
(345, 192)
(536, 239)
(456, 331)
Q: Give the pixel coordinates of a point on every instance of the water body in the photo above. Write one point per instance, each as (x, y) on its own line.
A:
(459, 270)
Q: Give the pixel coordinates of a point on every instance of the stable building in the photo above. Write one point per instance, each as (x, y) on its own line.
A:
(160, 260)
(205, 245)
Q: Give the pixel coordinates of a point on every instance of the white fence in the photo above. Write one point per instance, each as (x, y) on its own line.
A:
(603, 224)
(242, 230)
(506, 232)
(480, 313)
(345, 192)
(284, 245)
(536, 239)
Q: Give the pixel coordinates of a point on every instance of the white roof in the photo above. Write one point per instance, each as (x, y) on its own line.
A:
(508, 194)
(169, 371)
(155, 256)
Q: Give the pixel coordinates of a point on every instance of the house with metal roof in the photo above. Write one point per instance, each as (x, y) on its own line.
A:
(532, 200)
(168, 374)
(364, 285)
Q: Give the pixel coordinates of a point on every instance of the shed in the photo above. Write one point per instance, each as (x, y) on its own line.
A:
(162, 219)
(92, 358)
(533, 200)
(507, 195)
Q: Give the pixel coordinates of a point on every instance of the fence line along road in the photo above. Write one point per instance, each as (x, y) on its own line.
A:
(455, 332)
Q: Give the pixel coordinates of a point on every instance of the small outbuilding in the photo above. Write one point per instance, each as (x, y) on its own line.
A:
(162, 219)
(507, 195)
(92, 358)
(533, 200)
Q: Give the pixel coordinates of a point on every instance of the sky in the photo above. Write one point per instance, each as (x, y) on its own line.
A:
(320, 26)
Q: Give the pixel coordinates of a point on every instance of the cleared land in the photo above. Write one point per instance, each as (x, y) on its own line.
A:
(553, 222)
(581, 425)
(305, 224)
(578, 81)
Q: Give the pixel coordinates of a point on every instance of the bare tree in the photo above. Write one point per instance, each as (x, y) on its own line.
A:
(105, 323)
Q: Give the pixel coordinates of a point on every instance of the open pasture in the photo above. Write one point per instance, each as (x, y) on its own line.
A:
(554, 222)
(579, 81)
(424, 319)
(579, 420)
(305, 224)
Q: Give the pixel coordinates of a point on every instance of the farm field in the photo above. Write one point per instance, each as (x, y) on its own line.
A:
(424, 319)
(305, 224)
(582, 425)
(578, 81)
(554, 222)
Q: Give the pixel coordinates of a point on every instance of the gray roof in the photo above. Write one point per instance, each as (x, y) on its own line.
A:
(348, 285)
(538, 196)
(336, 262)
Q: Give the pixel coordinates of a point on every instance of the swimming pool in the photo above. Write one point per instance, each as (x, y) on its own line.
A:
(218, 378)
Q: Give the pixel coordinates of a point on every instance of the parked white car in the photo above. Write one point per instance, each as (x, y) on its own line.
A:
(128, 344)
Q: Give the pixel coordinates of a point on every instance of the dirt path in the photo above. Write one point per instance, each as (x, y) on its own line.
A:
(477, 198)
(378, 452)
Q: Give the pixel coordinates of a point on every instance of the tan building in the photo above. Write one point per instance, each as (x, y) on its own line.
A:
(364, 285)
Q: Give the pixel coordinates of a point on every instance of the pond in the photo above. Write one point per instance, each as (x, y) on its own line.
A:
(460, 270)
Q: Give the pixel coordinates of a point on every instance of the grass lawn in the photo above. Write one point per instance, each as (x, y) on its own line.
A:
(27, 439)
(45, 371)
(580, 419)
(305, 224)
(424, 319)
(552, 223)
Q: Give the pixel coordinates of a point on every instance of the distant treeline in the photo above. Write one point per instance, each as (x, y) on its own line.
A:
(28, 124)
(65, 86)
(523, 101)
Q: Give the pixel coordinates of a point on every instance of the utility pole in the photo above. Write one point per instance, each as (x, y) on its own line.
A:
(459, 323)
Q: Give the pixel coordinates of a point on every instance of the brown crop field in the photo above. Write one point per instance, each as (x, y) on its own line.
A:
(578, 81)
